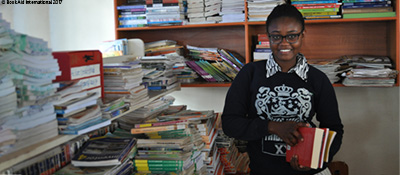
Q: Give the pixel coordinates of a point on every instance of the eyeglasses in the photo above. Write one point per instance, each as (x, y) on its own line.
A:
(291, 38)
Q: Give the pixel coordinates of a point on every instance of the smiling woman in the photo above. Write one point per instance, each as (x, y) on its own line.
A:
(269, 100)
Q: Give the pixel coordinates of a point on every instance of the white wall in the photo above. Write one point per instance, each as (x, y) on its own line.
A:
(370, 115)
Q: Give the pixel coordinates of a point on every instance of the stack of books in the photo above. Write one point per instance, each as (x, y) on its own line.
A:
(331, 68)
(258, 10)
(369, 71)
(163, 47)
(27, 90)
(123, 78)
(232, 11)
(213, 64)
(313, 151)
(176, 134)
(165, 12)
(367, 9)
(262, 50)
(132, 14)
(77, 111)
(147, 112)
(203, 11)
(318, 9)
(161, 57)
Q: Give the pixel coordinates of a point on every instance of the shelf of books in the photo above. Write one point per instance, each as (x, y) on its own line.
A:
(14, 158)
(354, 32)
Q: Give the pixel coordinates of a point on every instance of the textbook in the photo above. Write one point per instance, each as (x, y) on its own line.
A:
(105, 151)
(314, 150)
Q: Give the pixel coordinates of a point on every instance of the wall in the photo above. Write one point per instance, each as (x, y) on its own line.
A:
(370, 115)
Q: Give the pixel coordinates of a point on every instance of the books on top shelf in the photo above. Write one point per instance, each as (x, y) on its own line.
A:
(105, 151)
(314, 150)
(319, 9)
(132, 14)
(367, 9)
(232, 11)
(163, 13)
(204, 11)
(259, 10)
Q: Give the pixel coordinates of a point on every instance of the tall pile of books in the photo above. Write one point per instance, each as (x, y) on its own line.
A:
(318, 9)
(132, 14)
(258, 10)
(123, 79)
(232, 11)
(165, 12)
(367, 9)
(213, 64)
(369, 71)
(262, 50)
(27, 71)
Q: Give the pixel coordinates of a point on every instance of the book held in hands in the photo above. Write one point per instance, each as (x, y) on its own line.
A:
(313, 151)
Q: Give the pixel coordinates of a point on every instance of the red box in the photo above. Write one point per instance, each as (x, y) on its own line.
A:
(85, 66)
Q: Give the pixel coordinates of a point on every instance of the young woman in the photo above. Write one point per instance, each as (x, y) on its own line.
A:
(269, 100)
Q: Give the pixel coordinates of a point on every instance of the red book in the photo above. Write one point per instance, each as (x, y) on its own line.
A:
(309, 150)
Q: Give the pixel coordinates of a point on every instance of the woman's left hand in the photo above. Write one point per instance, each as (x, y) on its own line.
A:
(295, 164)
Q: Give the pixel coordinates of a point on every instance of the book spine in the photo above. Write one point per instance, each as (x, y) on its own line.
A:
(365, 6)
(160, 123)
(157, 128)
(200, 71)
(314, 2)
(131, 7)
(319, 10)
(138, 161)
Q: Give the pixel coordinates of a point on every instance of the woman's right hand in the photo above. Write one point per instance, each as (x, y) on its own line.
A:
(287, 131)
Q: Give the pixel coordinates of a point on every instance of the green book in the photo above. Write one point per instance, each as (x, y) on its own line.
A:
(369, 15)
(319, 10)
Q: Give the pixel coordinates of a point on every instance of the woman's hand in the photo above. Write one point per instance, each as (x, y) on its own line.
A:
(287, 131)
(295, 164)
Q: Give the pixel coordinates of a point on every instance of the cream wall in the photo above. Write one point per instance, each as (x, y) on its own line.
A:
(370, 115)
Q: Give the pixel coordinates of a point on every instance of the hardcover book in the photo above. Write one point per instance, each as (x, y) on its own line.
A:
(309, 150)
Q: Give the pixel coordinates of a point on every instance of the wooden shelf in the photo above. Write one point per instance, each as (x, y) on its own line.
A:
(328, 39)
(31, 151)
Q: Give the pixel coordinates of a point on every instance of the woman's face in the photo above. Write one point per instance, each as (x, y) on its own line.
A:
(280, 31)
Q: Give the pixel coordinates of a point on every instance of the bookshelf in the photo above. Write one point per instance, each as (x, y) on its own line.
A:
(16, 157)
(330, 38)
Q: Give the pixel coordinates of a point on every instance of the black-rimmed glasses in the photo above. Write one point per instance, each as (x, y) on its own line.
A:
(291, 38)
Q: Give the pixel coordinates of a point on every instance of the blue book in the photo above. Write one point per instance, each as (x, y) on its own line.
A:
(365, 6)
(314, 2)
(123, 7)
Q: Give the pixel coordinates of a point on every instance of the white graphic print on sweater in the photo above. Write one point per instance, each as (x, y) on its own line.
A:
(279, 105)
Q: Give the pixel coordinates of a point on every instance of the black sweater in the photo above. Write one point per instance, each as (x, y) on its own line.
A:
(253, 100)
